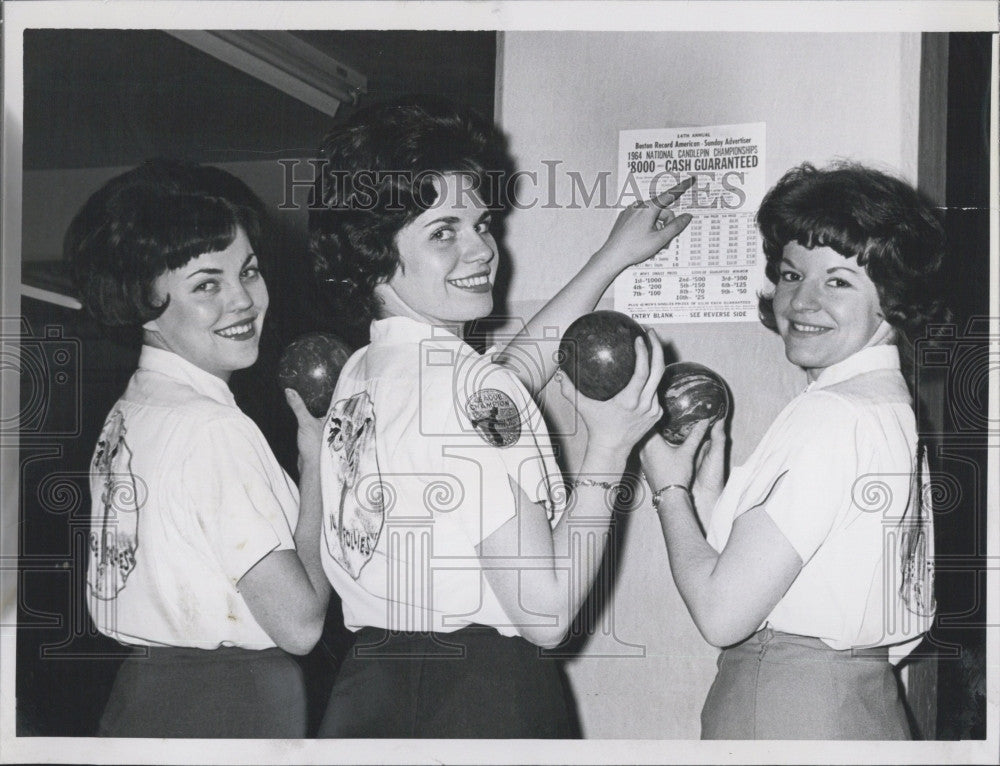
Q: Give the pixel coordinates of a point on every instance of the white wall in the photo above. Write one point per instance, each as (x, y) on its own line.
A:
(564, 96)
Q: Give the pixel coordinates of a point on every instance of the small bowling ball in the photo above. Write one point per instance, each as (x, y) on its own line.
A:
(311, 365)
(597, 352)
(690, 392)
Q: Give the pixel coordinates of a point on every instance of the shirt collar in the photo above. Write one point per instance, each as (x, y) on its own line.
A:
(881, 357)
(177, 367)
(405, 330)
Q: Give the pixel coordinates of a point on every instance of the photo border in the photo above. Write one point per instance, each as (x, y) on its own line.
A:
(918, 15)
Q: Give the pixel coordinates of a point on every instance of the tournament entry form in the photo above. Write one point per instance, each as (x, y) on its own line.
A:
(713, 271)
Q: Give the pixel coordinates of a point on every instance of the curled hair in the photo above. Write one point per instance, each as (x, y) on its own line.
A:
(857, 211)
(150, 220)
(377, 173)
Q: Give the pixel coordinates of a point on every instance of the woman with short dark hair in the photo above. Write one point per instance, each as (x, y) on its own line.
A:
(447, 529)
(817, 559)
(378, 173)
(882, 221)
(202, 550)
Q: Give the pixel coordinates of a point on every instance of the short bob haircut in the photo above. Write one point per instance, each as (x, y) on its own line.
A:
(858, 211)
(376, 174)
(150, 220)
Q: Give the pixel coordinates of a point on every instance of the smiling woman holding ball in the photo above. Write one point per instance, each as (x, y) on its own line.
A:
(817, 562)
(448, 529)
(203, 554)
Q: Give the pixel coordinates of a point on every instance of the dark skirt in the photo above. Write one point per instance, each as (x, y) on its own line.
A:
(470, 683)
(782, 686)
(226, 692)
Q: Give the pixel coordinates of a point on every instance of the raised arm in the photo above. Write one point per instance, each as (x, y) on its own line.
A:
(287, 591)
(541, 574)
(730, 593)
(640, 231)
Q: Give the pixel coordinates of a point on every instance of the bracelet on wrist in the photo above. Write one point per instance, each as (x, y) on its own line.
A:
(574, 483)
(658, 494)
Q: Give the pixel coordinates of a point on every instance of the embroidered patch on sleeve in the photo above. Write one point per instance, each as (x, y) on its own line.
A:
(494, 416)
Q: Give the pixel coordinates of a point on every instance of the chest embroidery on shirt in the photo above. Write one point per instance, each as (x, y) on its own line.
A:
(115, 538)
(354, 509)
(494, 416)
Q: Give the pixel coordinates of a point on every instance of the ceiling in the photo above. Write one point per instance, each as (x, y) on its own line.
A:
(108, 98)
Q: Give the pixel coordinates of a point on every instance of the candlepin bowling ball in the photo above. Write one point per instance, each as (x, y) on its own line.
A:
(597, 352)
(690, 392)
(311, 365)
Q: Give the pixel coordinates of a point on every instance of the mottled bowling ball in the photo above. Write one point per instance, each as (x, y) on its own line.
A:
(690, 392)
(597, 352)
(311, 365)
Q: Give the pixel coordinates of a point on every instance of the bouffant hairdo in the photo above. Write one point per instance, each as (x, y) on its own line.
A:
(150, 220)
(378, 171)
(858, 211)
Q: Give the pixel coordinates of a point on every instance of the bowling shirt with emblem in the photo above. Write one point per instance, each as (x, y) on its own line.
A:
(422, 440)
(835, 472)
(186, 497)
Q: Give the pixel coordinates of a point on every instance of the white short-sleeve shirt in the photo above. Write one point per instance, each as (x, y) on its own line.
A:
(422, 441)
(836, 474)
(186, 498)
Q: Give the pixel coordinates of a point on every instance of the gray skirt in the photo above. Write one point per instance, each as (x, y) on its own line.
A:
(226, 692)
(782, 686)
(470, 683)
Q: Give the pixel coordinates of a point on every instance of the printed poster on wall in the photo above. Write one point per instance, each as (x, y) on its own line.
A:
(714, 269)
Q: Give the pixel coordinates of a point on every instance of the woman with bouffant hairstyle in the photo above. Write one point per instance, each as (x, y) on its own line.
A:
(203, 556)
(378, 175)
(878, 219)
(816, 566)
(447, 526)
(153, 218)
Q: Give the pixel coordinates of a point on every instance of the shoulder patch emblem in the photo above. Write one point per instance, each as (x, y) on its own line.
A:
(494, 416)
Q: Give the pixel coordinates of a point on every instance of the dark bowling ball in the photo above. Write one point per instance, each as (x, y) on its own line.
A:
(597, 352)
(311, 365)
(690, 392)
